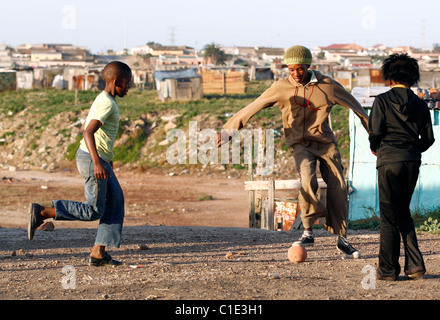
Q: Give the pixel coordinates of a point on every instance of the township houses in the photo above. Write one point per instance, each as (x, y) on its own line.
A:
(349, 55)
(37, 65)
(156, 50)
(5, 56)
(259, 56)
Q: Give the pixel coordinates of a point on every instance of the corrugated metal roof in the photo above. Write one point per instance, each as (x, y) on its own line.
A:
(176, 74)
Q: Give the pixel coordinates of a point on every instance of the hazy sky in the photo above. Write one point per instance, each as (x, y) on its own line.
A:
(102, 25)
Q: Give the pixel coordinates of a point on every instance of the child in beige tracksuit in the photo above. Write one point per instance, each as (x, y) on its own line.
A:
(305, 100)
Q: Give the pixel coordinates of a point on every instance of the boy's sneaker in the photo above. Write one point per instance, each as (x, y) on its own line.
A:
(35, 219)
(344, 246)
(305, 241)
(415, 273)
(105, 260)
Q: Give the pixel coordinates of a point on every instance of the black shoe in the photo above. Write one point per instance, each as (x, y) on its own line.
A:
(305, 241)
(344, 246)
(414, 275)
(386, 278)
(35, 219)
(106, 260)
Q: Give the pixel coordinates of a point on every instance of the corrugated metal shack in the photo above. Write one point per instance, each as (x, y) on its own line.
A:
(179, 84)
(364, 197)
(8, 80)
(25, 79)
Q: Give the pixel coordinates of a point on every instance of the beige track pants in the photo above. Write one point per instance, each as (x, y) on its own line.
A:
(331, 169)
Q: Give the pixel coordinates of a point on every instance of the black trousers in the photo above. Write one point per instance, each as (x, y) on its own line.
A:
(396, 186)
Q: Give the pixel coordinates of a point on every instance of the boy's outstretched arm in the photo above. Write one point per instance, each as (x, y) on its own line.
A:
(346, 99)
(89, 138)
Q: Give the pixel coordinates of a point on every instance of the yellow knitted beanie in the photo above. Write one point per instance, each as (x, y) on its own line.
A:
(298, 55)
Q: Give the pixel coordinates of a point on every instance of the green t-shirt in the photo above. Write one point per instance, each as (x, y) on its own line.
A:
(106, 110)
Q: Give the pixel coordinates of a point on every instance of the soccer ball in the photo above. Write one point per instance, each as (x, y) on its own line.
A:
(297, 254)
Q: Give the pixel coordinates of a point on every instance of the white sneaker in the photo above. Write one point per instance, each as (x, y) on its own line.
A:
(344, 246)
(305, 241)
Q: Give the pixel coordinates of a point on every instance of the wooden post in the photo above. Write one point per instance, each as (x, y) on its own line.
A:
(260, 157)
(75, 84)
(264, 218)
(258, 193)
(271, 204)
(173, 84)
(252, 220)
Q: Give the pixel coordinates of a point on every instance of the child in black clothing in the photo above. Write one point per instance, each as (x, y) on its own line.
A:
(401, 130)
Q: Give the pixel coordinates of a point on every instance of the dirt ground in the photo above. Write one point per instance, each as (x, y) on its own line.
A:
(184, 238)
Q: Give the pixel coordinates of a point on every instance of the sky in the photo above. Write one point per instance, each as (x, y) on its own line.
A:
(115, 25)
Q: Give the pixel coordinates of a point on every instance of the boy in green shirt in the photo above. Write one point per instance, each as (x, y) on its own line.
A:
(105, 199)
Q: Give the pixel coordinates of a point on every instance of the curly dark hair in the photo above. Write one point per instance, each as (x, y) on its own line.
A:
(401, 68)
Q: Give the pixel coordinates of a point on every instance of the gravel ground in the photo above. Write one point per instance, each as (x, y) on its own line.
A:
(202, 263)
(167, 266)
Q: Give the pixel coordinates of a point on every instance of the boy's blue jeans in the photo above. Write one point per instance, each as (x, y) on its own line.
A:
(105, 201)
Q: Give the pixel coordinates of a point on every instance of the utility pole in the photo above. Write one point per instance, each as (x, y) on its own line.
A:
(172, 35)
(125, 30)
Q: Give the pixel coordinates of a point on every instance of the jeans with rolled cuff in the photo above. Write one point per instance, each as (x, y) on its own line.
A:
(105, 202)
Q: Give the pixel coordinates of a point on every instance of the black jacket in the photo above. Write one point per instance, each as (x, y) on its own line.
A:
(400, 127)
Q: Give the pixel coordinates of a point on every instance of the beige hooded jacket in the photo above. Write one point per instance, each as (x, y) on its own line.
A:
(305, 108)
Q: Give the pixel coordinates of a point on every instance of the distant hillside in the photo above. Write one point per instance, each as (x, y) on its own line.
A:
(41, 128)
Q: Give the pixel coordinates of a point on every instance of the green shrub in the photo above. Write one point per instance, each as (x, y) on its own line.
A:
(129, 152)
(73, 148)
(430, 226)
(371, 222)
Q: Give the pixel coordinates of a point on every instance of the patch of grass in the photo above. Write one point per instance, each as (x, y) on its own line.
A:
(129, 152)
(430, 226)
(207, 197)
(371, 222)
(9, 133)
(425, 220)
(339, 117)
(11, 101)
(73, 148)
(33, 146)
